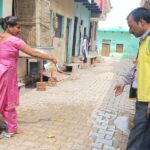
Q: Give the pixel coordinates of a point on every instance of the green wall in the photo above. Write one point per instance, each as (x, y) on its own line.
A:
(82, 13)
(1, 8)
(118, 37)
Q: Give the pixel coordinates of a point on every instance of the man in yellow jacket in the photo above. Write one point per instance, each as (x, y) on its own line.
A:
(139, 25)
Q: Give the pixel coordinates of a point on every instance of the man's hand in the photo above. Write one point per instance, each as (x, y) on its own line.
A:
(53, 59)
(118, 89)
(148, 109)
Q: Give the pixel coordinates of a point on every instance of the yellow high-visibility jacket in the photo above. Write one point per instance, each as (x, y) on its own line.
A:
(144, 71)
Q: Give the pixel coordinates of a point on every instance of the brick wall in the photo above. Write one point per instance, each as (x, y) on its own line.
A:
(34, 15)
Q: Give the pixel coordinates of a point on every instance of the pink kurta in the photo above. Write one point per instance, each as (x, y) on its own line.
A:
(9, 51)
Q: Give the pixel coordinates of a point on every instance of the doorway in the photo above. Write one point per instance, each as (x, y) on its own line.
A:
(74, 36)
(105, 49)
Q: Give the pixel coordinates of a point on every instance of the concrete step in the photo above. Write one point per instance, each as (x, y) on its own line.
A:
(72, 67)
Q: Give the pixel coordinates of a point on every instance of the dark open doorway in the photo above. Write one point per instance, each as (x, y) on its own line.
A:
(74, 36)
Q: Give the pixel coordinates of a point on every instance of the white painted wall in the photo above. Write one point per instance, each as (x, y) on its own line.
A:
(7, 8)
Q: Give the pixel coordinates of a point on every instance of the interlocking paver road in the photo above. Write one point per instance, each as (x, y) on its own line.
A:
(77, 114)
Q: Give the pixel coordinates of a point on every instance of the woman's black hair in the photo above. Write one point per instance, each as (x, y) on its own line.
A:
(140, 13)
(9, 21)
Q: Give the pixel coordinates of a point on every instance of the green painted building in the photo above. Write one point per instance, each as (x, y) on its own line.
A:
(81, 27)
(1, 8)
(117, 43)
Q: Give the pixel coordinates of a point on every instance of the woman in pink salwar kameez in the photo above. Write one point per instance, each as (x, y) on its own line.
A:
(10, 45)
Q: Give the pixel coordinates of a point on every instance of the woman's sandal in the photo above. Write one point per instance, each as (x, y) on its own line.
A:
(6, 135)
(10, 135)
